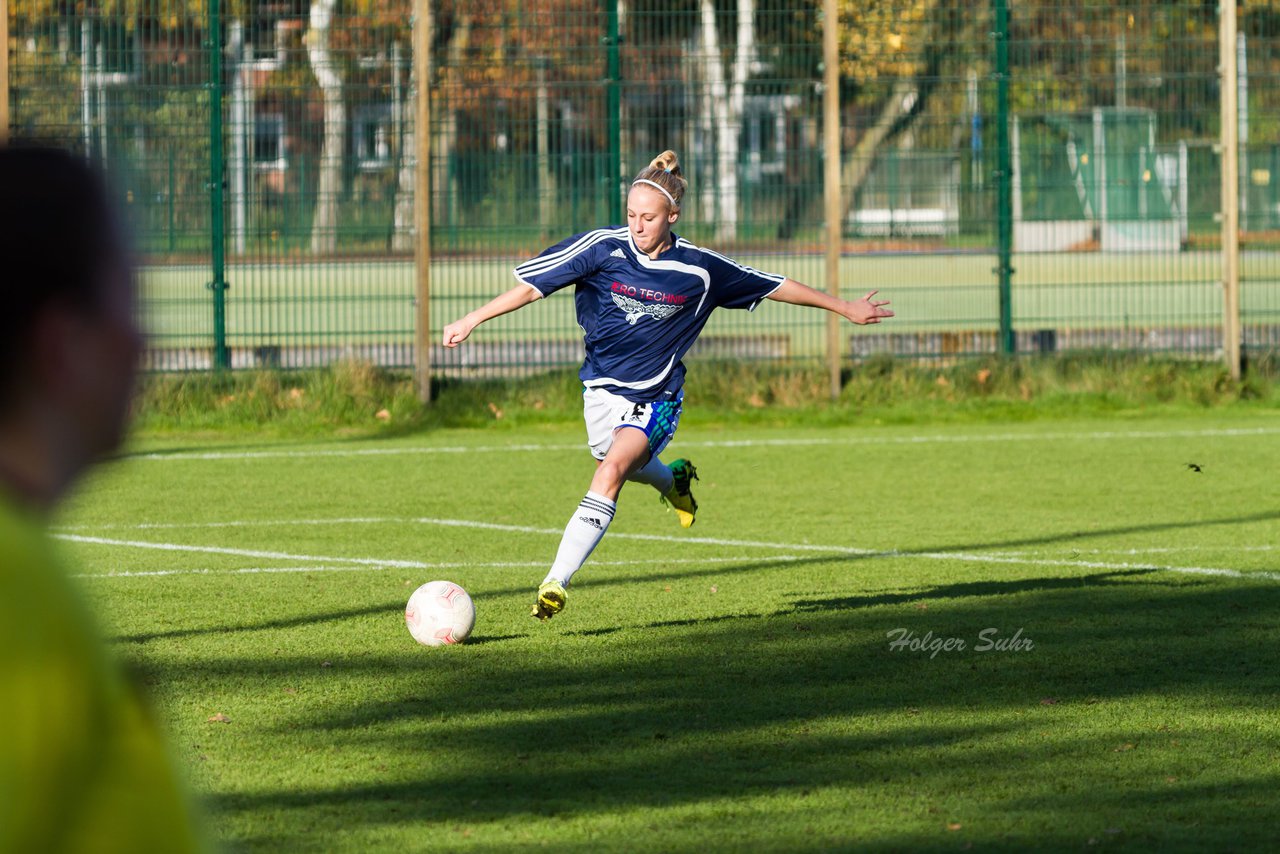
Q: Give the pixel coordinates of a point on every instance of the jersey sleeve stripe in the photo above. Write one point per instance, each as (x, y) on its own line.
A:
(756, 304)
(546, 263)
(523, 281)
(568, 251)
(773, 277)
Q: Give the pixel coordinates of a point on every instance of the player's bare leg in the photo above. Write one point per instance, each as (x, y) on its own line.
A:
(591, 519)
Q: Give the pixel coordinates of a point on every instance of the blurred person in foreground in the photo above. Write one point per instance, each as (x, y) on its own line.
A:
(83, 768)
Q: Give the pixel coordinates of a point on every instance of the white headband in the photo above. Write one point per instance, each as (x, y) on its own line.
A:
(660, 188)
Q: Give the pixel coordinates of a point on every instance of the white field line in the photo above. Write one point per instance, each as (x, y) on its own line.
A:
(1094, 436)
(218, 550)
(463, 523)
(235, 523)
(781, 547)
(391, 520)
(256, 570)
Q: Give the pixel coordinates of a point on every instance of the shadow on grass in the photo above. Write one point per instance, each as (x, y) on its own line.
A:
(480, 640)
(1148, 528)
(749, 566)
(263, 625)
(972, 588)
(1046, 746)
(1139, 706)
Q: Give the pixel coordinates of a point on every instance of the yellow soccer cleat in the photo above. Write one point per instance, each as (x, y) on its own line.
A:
(550, 601)
(680, 498)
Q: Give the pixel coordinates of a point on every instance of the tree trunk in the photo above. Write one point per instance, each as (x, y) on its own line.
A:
(905, 105)
(732, 133)
(403, 228)
(727, 104)
(859, 161)
(717, 101)
(444, 139)
(324, 228)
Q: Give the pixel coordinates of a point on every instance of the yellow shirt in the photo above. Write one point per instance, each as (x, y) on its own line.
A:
(82, 767)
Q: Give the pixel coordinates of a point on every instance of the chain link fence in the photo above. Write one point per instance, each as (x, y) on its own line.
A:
(1033, 177)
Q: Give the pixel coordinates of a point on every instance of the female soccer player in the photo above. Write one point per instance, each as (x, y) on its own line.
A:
(643, 294)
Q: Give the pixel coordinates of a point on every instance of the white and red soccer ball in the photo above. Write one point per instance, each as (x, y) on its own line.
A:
(439, 613)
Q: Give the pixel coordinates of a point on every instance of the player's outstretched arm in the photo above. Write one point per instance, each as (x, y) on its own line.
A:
(861, 312)
(518, 297)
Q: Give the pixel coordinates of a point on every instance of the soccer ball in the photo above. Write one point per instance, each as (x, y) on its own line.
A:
(438, 613)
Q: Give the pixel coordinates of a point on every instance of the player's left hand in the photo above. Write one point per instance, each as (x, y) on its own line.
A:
(868, 310)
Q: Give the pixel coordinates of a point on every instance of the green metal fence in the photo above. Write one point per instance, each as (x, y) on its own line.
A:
(1025, 176)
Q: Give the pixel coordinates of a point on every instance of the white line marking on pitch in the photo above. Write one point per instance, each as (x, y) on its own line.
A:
(217, 550)
(390, 520)
(255, 570)
(832, 550)
(464, 523)
(234, 523)
(1100, 435)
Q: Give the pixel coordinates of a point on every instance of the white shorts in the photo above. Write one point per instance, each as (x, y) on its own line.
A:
(606, 412)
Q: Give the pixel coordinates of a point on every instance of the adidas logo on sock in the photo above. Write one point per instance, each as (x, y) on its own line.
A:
(617, 253)
(595, 523)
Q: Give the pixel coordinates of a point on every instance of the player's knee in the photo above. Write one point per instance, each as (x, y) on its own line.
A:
(611, 474)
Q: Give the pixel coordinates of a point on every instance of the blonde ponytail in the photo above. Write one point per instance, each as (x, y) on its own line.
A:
(667, 161)
(663, 173)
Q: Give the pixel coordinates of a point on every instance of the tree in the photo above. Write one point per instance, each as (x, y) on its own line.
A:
(324, 226)
(891, 55)
(726, 104)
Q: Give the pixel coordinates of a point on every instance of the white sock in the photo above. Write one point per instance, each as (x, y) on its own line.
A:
(656, 474)
(581, 535)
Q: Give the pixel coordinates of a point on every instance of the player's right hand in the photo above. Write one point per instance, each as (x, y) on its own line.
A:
(868, 310)
(455, 333)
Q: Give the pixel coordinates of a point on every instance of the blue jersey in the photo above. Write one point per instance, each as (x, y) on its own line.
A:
(641, 316)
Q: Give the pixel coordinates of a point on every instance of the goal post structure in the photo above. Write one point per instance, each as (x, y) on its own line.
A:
(1097, 181)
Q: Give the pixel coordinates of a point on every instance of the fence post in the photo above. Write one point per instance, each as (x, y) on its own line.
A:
(1004, 180)
(218, 236)
(4, 71)
(422, 25)
(1229, 142)
(831, 178)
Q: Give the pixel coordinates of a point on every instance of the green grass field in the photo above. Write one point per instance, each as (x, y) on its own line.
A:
(373, 301)
(732, 687)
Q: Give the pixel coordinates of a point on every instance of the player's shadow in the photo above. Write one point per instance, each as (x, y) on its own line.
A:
(932, 552)
(1119, 530)
(968, 589)
(945, 591)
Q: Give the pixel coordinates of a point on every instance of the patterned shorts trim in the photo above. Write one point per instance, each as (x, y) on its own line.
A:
(606, 412)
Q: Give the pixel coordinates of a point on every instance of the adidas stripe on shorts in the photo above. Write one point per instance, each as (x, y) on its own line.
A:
(605, 412)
